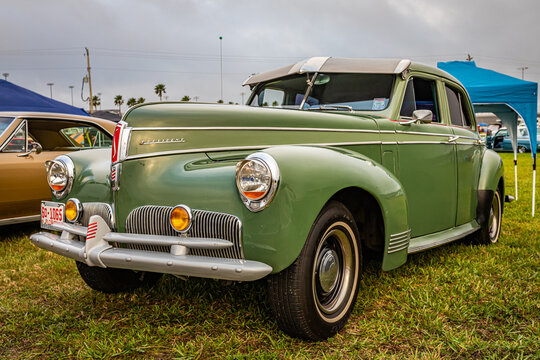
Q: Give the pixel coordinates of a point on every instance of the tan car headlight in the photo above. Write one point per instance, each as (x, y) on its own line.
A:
(257, 179)
(60, 173)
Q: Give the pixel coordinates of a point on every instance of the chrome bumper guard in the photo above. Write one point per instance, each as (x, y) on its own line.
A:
(97, 251)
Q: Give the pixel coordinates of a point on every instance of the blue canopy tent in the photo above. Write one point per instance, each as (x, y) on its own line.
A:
(16, 98)
(505, 96)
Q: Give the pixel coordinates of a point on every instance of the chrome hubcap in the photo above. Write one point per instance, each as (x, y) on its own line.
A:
(328, 270)
(335, 272)
(494, 218)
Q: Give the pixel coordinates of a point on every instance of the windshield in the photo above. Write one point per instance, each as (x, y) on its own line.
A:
(4, 123)
(369, 92)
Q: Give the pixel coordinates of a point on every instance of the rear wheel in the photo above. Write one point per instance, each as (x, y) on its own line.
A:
(314, 297)
(110, 280)
(522, 149)
(489, 231)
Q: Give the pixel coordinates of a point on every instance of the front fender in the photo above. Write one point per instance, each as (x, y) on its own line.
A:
(310, 176)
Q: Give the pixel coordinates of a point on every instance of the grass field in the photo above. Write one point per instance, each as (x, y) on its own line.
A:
(456, 301)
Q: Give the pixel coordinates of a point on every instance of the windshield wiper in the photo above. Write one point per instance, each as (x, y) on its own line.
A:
(332, 107)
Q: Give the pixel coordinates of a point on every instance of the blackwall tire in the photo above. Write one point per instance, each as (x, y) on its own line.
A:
(109, 280)
(313, 298)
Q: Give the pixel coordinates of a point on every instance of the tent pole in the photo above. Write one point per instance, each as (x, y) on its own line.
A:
(515, 173)
(534, 184)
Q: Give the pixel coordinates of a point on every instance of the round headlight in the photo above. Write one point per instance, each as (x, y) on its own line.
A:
(57, 176)
(60, 173)
(254, 179)
(257, 179)
(73, 210)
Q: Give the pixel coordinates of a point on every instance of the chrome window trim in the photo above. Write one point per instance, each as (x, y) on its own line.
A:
(23, 123)
(13, 118)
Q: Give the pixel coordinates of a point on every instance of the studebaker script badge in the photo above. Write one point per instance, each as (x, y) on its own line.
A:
(161, 141)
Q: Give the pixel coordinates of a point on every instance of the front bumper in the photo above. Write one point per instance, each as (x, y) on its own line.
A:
(98, 250)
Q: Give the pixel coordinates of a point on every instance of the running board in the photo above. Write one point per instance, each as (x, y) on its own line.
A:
(425, 242)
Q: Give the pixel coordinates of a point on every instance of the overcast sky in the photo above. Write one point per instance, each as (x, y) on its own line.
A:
(136, 44)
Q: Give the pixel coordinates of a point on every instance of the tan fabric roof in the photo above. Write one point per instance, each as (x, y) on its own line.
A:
(333, 65)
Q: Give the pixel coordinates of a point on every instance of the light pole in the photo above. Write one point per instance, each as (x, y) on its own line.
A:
(71, 88)
(5, 75)
(50, 86)
(196, 98)
(242, 93)
(523, 68)
(221, 65)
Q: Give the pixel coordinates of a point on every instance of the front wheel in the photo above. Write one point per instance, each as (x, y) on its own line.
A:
(110, 280)
(522, 149)
(313, 298)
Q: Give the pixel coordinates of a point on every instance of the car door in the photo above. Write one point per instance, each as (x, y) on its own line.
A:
(427, 163)
(468, 144)
(23, 180)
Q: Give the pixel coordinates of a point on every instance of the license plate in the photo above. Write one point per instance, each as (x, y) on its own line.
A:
(51, 212)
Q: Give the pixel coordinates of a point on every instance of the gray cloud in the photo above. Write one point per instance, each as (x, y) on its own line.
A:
(136, 44)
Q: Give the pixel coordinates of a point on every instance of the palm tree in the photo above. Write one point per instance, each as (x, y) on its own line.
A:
(131, 101)
(160, 90)
(119, 101)
(185, 98)
(96, 101)
(141, 100)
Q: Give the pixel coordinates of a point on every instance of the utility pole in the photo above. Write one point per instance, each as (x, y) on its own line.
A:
(523, 68)
(221, 64)
(71, 88)
(242, 93)
(5, 75)
(196, 98)
(50, 85)
(90, 100)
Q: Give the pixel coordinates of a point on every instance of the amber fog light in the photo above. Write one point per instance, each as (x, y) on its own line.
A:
(73, 210)
(181, 218)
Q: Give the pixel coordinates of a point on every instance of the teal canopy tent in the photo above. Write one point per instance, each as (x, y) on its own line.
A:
(505, 96)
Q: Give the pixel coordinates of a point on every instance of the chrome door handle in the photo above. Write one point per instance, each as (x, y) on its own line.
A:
(453, 138)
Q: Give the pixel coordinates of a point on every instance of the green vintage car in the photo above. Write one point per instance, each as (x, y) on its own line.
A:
(331, 160)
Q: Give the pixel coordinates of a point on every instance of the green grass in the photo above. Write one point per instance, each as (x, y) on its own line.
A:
(456, 301)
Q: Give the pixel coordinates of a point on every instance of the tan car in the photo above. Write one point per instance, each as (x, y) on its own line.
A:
(27, 140)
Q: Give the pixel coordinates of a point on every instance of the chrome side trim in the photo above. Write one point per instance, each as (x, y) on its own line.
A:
(239, 148)
(21, 219)
(399, 241)
(267, 128)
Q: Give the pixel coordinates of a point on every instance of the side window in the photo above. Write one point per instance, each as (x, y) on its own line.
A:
(421, 94)
(18, 141)
(85, 137)
(458, 113)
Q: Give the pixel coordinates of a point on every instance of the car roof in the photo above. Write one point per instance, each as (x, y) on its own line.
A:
(108, 125)
(345, 65)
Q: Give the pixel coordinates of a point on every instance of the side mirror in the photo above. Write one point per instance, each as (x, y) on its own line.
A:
(34, 148)
(422, 116)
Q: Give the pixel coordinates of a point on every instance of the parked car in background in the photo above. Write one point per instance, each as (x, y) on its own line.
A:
(332, 160)
(27, 141)
(501, 140)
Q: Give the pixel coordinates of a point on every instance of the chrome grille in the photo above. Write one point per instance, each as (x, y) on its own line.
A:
(154, 220)
(95, 208)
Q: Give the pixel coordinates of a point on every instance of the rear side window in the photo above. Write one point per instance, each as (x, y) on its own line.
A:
(456, 103)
